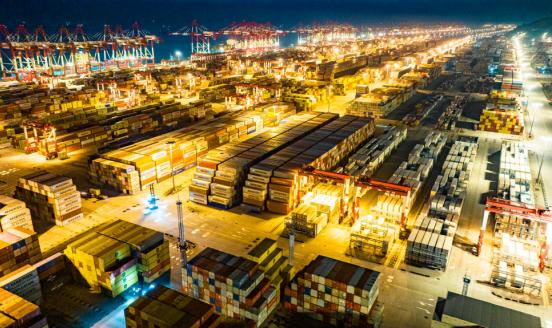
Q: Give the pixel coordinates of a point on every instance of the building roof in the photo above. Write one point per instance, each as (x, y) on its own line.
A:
(487, 314)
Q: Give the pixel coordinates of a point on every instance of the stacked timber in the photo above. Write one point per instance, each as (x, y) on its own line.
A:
(147, 245)
(17, 312)
(14, 213)
(165, 307)
(372, 155)
(336, 293)
(502, 121)
(236, 286)
(276, 177)
(514, 177)
(50, 197)
(23, 282)
(231, 163)
(104, 263)
(18, 247)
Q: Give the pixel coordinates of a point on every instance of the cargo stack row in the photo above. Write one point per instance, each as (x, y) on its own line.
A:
(370, 157)
(50, 197)
(119, 254)
(237, 287)
(274, 182)
(514, 177)
(336, 293)
(135, 167)
(18, 312)
(14, 213)
(164, 307)
(412, 173)
(23, 282)
(18, 247)
(223, 171)
(430, 242)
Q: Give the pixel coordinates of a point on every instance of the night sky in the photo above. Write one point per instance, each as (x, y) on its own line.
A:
(158, 16)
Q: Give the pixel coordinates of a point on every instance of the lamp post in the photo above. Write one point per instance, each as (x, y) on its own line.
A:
(329, 97)
(171, 143)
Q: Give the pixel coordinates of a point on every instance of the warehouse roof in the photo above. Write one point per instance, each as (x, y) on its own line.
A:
(483, 313)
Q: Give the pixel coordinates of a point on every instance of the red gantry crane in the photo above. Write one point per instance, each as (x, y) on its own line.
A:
(359, 185)
(505, 207)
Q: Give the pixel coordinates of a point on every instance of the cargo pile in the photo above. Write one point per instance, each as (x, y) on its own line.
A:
(449, 190)
(502, 121)
(318, 208)
(511, 80)
(164, 307)
(430, 242)
(118, 255)
(514, 177)
(236, 286)
(273, 263)
(18, 247)
(14, 213)
(147, 245)
(220, 175)
(447, 120)
(23, 282)
(373, 105)
(50, 197)
(372, 155)
(274, 181)
(336, 293)
(135, 167)
(18, 312)
(105, 264)
(50, 266)
(412, 173)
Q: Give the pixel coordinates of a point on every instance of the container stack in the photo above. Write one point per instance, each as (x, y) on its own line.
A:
(411, 173)
(229, 165)
(18, 247)
(236, 286)
(272, 262)
(430, 242)
(373, 105)
(23, 282)
(502, 121)
(164, 307)
(18, 312)
(147, 245)
(449, 190)
(50, 266)
(14, 213)
(50, 197)
(318, 208)
(336, 293)
(276, 177)
(514, 177)
(370, 157)
(105, 264)
(153, 158)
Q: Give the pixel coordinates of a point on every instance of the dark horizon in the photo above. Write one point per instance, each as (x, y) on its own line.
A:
(158, 15)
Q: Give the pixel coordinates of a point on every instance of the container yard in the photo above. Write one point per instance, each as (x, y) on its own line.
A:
(263, 182)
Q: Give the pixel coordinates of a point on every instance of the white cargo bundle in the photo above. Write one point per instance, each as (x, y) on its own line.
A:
(514, 178)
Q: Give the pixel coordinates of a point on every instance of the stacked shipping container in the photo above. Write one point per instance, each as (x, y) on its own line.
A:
(14, 213)
(17, 312)
(275, 180)
(18, 247)
(236, 286)
(50, 197)
(23, 282)
(222, 172)
(167, 308)
(337, 293)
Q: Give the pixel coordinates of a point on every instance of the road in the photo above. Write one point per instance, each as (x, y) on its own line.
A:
(540, 113)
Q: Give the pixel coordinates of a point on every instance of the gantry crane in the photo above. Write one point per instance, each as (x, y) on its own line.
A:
(505, 207)
(41, 133)
(358, 185)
